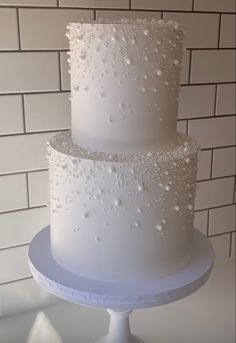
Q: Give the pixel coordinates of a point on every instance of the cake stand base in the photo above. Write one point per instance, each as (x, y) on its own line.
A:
(119, 297)
(119, 330)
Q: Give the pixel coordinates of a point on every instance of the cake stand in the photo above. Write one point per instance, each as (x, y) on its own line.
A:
(119, 298)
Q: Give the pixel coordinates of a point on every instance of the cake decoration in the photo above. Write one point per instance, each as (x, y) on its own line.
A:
(123, 179)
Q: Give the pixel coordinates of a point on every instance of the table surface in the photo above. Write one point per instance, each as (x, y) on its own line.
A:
(207, 316)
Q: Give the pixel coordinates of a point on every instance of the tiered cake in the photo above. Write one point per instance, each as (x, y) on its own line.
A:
(123, 183)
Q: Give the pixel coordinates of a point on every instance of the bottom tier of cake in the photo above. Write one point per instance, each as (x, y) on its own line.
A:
(122, 217)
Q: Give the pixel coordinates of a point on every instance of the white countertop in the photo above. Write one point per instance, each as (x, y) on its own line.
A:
(206, 316)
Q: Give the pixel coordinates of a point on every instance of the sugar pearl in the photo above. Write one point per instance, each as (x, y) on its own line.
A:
(159, 227)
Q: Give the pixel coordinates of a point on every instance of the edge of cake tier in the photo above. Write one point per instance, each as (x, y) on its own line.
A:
(184, 146)
(170, 24)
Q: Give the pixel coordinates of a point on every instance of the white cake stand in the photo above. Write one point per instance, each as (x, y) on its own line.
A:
(119, 298)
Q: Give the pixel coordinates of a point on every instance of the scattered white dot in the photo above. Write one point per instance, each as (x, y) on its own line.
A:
(158, 72)
(187, 160)
(159, 227)
(117, 202)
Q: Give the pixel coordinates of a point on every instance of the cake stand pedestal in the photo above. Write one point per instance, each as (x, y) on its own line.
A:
(119, 298)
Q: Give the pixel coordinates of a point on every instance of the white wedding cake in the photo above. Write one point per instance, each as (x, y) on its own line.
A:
(122, 182)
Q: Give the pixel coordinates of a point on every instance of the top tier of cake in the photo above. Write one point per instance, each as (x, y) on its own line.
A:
(124, 84)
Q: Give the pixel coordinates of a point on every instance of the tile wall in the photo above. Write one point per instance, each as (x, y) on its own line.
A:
(34, 105)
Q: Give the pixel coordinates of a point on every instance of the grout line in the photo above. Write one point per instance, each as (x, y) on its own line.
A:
(230, 243)
(222, 234)
(34, 132)
(219, 147)
(130, 4)
(193, 5)
(27, 189)
(23, 209)
(23, 113)
(208, 222)
(208, 83)
(113, 9)
(217, 49)
(14, 246)
(211, 117)
(18, 27)
(59, 71)
(211, 166)
(33, 50)
(187, 127)
(162, 15)
(22, 279)
(36, 92)
(215, 207)
(219, 31)
(23, 172)
(234, 191)
(216, 178)
(58, 3)
(215, 99)
(190, 64)
(66, 49)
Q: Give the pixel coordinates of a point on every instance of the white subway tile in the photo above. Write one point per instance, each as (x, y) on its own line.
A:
(222, 220)
(19, 227)
(11, 114)
(29, 71)
(204, 165)
(196, 101)
(37, 31)
(227, 34)
(213, 132)
(38, 188)
(200, 221)
(224, 162)
(29, 2)
(184, 73)
(23, 152)
(214, 193)
(233, 244)
(128, 15)
(197, 36)
(95, 3)
(8, 29)
(13, 192)
(65, 76)
(221, 246)
(181, 5)
(47, 111)
(14, 264)
(23, 295)
(213, 66)
(182, 126)
(226, 99)
(214, 5)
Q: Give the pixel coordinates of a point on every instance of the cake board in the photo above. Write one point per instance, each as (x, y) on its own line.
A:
(119, 298)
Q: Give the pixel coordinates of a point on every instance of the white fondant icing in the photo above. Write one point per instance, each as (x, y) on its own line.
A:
(122, 186)
(124, 84)
(134, 243)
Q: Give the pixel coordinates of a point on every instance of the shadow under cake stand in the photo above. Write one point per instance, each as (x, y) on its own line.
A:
(120, 299)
